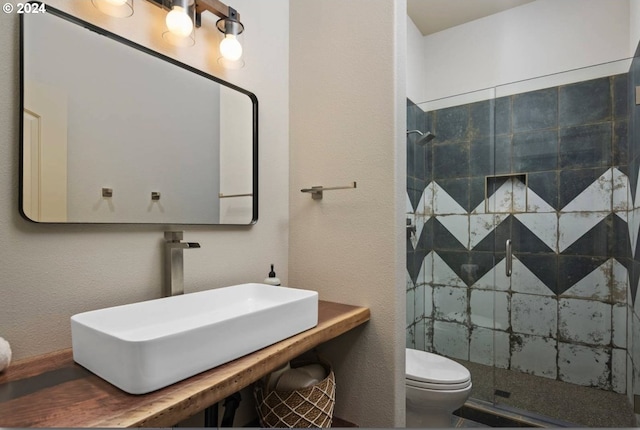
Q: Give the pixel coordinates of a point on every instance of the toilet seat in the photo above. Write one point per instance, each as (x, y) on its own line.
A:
(437, 387)
(425, 370)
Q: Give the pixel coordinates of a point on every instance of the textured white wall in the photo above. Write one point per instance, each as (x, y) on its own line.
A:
(348, 115)
(416, 64)
(539, 38)
(50, 272)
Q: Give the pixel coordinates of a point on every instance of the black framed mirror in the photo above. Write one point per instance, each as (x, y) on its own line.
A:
(113, 132)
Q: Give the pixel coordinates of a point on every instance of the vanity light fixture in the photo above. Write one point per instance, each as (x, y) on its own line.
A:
(185, 15)
(231, 27)
(115, 8)
(180, 22)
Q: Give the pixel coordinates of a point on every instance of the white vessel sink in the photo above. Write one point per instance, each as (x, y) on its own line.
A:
(144, 346)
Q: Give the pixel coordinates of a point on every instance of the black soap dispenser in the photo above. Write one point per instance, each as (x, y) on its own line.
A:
(272, 279)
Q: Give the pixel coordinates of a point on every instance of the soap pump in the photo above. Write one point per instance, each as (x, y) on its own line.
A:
(272, 279)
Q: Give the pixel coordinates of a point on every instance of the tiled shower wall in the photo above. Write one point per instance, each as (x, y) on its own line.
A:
(633, 324)
(560, 186)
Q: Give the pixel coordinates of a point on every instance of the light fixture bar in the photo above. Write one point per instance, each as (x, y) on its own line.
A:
(217, 8)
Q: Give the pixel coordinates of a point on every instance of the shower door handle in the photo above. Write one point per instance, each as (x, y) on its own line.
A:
(509, 258)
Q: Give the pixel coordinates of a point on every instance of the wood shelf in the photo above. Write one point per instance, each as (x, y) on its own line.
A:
(51, 390)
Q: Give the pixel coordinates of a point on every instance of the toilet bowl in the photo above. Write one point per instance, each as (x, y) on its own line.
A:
(436, 386)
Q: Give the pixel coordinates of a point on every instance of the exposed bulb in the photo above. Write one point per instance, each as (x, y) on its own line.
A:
(116, 2)
(179, 22)
(230, 48)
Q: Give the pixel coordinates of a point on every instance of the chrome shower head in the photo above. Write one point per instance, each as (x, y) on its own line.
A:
(424, 137)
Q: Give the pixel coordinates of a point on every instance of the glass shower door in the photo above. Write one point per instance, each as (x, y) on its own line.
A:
(560, 191)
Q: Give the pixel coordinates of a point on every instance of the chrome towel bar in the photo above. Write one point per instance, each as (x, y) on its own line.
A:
(316, 191)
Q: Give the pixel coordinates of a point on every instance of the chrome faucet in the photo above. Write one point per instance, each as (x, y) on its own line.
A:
(173, 262)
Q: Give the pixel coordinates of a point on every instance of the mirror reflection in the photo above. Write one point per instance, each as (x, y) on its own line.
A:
(112, 134)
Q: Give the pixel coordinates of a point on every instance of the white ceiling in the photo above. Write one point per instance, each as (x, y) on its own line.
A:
(431, 16)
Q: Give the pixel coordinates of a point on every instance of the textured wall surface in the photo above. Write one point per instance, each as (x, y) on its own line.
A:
(347, 117)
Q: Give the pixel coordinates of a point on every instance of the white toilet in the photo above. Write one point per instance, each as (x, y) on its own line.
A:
(436, 386)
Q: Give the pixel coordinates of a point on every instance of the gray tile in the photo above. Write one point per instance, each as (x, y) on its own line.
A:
(535, 110)
(621, 96)
(583, 365)
(584, 103)
(451, 160)
(481, 116)
(585, 146)
(621, 143)
(535, 152)
(584, 321)
(452, 124)
(451, 339)
(490, 155)
(534, 355)
(534, 315)
(502, 116)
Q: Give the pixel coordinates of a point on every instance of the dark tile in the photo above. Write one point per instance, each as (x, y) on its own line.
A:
(585, 146)
(425, 241)
(572, 269)
(458, 189)
(451, 160)
(584, 103)
(482, 263)
(544, 266)
(634, 277)
(411, 156)
(416, 157)
(535, 110)
(633, 180)
(452, 124)
(457, 261)
(490, 156)
(618, 241)
(620, 142)
(414, 263)
(620, 96)
(444, 240)
(481, 119)
(428, 121)
(476, 192)
(415, 188)
(534, 152)
(545, 185)
(502, 116)
(574, 182)
(593, 243)
(525, 241)
(495, 240)
(634, 130)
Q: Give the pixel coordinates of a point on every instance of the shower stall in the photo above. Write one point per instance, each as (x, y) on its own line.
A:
(522, 228)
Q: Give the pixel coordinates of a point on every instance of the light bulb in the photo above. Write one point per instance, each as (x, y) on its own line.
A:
(179, 22)
(116, 2)
(230, 48)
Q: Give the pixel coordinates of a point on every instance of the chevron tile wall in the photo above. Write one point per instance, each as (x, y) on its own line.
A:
(562, 187)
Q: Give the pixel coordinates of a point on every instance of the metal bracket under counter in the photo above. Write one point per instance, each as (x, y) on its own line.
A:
(51, 390)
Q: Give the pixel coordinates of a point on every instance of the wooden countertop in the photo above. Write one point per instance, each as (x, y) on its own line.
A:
(51, 390)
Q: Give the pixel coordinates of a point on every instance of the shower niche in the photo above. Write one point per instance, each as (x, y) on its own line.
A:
(506, 193)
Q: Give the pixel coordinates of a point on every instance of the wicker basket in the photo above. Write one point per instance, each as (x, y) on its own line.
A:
(310, 407)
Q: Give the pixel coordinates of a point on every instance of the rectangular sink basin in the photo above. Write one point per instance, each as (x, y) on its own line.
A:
(144, 346)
